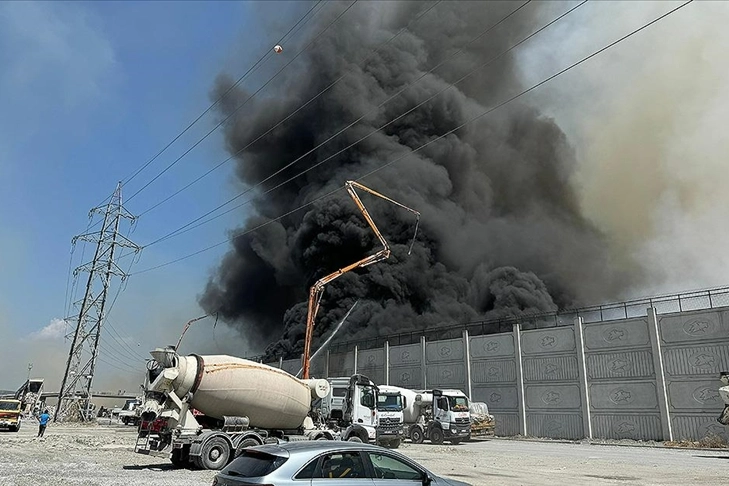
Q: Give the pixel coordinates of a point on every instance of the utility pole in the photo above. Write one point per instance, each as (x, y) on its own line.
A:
(75, 392)
(30, 367)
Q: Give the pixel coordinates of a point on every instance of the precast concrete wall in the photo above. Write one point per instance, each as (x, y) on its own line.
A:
(610, 373)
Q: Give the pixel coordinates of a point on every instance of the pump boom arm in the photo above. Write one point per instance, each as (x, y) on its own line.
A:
(316, 291)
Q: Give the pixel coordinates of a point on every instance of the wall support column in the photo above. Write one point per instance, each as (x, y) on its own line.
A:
(520, 380)
(661, 388)
(582, 374)
(467, 357)
(387, 362)
(423, 371)
(355, 359)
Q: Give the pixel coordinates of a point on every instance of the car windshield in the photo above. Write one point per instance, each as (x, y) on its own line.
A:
(9, 406)
(391, 403)
(253, 464)
(458, 404)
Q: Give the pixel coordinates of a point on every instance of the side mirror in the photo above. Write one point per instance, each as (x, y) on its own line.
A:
(427, 480)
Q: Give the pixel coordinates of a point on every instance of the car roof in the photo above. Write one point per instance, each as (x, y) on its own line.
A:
(284, 449)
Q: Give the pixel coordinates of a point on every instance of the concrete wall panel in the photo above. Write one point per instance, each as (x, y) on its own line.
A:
(492, 346)
(691, 427)
(695, 395)
(616, 334)
(556, 426)
(493, 371)
(341, 364)
(558, 368)
(548, 341)
(447, 376)
(693, 326)
(406, 377)
(552, 397)
(627, 395)
(498, 398)
(444, 351)
(632, 364)
(627, 426)
(506, 424)
(696, 360)
(408, 354)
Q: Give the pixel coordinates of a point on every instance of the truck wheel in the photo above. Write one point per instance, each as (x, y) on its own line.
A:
(245, 443)
(395, 444)
(436, 436)
(455, 441)
(354, 438)
(14, 428)
(215, 454)
(416, 435)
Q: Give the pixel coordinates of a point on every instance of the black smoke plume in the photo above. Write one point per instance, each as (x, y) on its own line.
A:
(501, 232)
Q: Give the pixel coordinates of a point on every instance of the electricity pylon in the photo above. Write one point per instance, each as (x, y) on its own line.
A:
(74, 397)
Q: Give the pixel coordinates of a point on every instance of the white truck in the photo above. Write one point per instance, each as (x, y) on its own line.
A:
(436, 415)
(355, 405)
(390, 421)
(204, 410)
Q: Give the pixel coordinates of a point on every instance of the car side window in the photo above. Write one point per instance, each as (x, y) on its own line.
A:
(388, 467)
(308, 471)
(342, 465)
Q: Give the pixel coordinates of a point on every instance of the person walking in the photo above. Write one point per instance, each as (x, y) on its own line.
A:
(43, 422)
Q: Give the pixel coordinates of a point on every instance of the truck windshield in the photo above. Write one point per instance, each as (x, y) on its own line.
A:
(389, 403)
(9, 406)
(458, 404)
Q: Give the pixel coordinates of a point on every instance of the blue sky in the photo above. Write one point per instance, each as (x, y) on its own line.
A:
(90, 91)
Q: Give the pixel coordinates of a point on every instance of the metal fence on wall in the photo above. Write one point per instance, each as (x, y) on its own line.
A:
(649, 376)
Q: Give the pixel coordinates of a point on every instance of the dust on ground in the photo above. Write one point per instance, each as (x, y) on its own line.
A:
(103, 455)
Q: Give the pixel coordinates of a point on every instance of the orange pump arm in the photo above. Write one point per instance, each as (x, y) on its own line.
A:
(316, 291)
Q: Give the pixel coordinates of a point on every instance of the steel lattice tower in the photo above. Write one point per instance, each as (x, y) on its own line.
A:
(75, 392)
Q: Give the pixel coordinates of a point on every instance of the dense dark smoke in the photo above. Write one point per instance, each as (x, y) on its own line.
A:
(501, 231)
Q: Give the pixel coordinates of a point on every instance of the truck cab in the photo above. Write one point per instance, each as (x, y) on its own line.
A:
(390, 405)
(352, 406)
(10, 411)
(451, 411)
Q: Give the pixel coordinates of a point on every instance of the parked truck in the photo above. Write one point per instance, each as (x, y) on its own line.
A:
(436, 415)
(390, 422)
(353, 405)
(238, 404)
(130, 412)
(10, 414)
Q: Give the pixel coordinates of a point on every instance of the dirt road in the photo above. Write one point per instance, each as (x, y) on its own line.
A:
(102, 455)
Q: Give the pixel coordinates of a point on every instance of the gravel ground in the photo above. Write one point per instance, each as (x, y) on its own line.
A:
(103, 455)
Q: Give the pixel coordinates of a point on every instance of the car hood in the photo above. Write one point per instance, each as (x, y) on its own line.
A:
(450, 482)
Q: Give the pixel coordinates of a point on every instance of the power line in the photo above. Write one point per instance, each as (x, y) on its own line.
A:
(220, 98)
(339, 132)
(169, 166)
(417, 149)
(289, 116)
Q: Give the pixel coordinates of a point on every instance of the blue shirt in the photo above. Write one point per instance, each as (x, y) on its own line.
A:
(44, 418)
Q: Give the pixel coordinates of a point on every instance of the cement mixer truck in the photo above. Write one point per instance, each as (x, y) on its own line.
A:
(204, 410)
(436, 415)
(724, 394)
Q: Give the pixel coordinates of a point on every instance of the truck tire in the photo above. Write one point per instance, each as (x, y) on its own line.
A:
(436, 436)
(354, 438)
(214, 454)
(249, 442)
(395, 444)
(14, 428)
(416, 435)
(455, 441)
